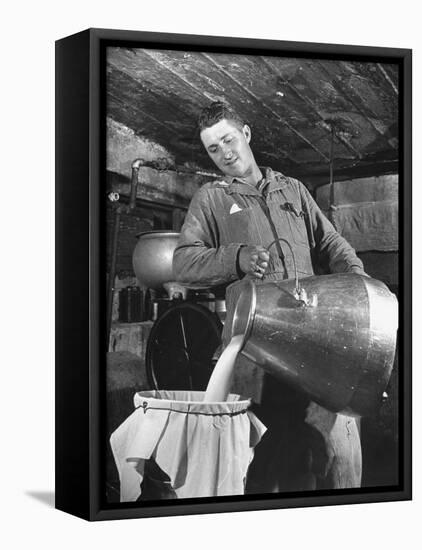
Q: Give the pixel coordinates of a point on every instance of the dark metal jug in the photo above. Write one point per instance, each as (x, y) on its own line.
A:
(334, 336)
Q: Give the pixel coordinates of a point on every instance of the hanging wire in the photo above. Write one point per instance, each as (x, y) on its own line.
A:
(332, 175)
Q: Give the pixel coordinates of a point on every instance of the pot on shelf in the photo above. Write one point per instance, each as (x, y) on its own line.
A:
(153, 258)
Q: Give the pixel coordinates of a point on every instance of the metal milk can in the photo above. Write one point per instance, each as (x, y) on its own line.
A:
(334, 336)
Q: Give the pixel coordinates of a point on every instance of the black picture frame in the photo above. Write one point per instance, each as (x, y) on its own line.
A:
(80, 286)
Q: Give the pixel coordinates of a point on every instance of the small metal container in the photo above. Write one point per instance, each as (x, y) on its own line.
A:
(153, 258)
(130, 305)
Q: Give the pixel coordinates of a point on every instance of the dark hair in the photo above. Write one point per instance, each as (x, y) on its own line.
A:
(216, 111)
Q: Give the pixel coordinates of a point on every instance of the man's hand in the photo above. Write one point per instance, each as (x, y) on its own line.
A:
(253, 260)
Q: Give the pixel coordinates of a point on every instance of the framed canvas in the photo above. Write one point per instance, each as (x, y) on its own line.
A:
(233, 279)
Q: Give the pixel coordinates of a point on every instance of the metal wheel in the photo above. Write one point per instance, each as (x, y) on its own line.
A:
(180, 347)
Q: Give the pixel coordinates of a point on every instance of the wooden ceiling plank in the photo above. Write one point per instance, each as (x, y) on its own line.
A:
(144, 119)
(157, 121)
(369, 86)
(168, 67)
(326, 126)
(153, 79)
(120, 98)
(387, 78)
(267, 107)
(342, 89)
(370, 74)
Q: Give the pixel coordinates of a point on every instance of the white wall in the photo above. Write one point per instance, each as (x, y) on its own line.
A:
(27, 402)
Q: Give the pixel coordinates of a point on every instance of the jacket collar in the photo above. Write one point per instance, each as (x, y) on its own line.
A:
(272, 181)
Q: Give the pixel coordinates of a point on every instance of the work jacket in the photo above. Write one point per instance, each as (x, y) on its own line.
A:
(229, 213)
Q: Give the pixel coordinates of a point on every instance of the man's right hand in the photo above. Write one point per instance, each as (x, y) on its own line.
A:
(253, 260)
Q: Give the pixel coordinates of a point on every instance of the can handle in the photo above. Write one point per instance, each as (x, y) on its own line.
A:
(297, 285)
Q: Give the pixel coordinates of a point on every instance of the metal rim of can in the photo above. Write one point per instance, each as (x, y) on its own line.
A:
(244, 312)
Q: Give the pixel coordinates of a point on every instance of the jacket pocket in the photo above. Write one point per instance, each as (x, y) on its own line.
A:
(239, 227)
(298, 229)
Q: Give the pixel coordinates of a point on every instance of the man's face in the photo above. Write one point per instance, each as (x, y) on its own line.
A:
(228, 146)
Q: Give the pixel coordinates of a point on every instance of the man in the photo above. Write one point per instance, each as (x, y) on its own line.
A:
(229, 225)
